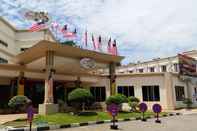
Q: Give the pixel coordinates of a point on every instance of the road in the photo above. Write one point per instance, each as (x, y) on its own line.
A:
(173, 123)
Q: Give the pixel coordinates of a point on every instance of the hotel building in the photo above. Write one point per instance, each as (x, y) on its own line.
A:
(28, 58)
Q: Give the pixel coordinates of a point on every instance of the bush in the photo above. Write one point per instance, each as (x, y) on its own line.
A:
(188, 102)
(79, 98)
(18, 103)
(133, 103)
(116, 99)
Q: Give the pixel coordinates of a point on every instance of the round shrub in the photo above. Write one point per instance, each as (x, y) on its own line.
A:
(133, 103)
(79, 98)
(133, 99)
(18, 102)
(188, 102)
(116, 99)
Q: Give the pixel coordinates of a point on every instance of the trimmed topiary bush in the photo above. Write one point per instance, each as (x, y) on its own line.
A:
(133, 103)
(79, 98)
(18, 103)
(116, 99)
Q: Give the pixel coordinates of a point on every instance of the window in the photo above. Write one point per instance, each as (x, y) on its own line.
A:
(3, 60)
(130, 71)
(176, 67)
(98, 93)
(126, 90)
(23, 49)
(150, 93)
(163, 68)
(3, 43)
(152, 69)
(180, 93)
(141, 70)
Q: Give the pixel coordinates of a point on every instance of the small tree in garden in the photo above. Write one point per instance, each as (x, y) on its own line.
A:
(188, 102)
(116, 99)
(79, 98)
(18, 103)
(133, 103)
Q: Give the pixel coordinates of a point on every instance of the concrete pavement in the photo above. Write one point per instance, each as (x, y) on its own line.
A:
(173, 123)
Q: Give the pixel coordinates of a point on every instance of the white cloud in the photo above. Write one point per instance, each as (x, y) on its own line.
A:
(143, 28)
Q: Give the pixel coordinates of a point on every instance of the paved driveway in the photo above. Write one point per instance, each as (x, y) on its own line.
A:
(173, 123)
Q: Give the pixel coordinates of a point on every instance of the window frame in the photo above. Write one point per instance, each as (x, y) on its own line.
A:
(151, 92)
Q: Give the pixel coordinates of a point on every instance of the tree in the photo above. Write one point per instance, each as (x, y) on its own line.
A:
(116, 99)
(17, 103)
(133, 103)
(188, 102)
(70, 43)
(79, 98)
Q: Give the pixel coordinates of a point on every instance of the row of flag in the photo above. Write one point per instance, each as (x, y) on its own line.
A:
(97, 44)
(96, 41)
(55, 27)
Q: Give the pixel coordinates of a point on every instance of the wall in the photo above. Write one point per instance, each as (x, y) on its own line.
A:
(139, 80)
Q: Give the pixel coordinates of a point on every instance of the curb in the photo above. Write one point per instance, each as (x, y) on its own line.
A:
(53, 127)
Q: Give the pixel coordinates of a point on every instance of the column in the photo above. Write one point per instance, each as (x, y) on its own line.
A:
(20, 84)
(170, 98)
(112, 76)
(48, 107)
(49, 77)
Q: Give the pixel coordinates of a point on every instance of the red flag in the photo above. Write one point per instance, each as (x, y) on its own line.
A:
(114, 48)
(37, 27)
(86, 38)
(109, 46)
(99, 42)
(93, 41)
(64, 29)
(66, 33)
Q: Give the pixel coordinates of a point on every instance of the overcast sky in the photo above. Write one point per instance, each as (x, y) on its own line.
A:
(144, 29)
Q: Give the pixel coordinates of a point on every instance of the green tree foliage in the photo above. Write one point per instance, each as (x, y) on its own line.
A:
(133, 103)
(18, 103)
(116, 99)
(188, 102)
(79, 98)
(70, 43)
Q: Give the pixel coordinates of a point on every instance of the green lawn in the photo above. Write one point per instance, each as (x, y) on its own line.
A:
(66, 118)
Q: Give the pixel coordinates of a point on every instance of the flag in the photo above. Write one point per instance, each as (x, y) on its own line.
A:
(86, 38)
(114, 48)
(54, 26)
(37, 27)
(70, 34)
(99, 43)
(64, 29)
(109, 46)
(93, 41)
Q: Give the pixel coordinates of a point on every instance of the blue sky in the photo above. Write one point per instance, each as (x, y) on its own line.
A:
(144, 29)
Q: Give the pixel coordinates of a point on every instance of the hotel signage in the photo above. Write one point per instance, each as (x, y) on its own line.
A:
(187, 65)
(87, 63)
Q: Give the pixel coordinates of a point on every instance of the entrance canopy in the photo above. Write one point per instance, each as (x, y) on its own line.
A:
(66, 58)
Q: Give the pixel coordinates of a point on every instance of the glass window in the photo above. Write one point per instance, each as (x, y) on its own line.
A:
(126, 90)
(152, 69)
(3, 43)
(141, 70)
(180, 93)
(176, 67)
(163, 68)
(150, 93)
(3, 60)
(24, 49)
(98, 93)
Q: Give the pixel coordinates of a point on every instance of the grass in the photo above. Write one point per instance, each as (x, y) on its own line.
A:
(66, 118)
